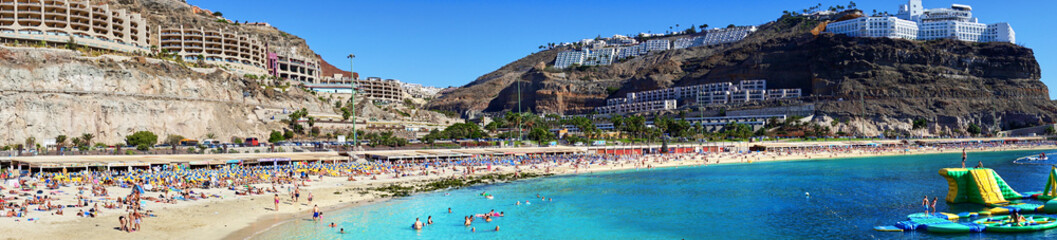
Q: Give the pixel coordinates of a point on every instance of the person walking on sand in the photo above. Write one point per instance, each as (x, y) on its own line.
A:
(297, 192)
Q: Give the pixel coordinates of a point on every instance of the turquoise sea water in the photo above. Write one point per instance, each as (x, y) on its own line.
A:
(848, 197)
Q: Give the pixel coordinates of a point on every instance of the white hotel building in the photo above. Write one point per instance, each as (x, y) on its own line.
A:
(726, 35)
(704, 94)
(627, 47)
(913, 22)
(634, 107)
(587, 57)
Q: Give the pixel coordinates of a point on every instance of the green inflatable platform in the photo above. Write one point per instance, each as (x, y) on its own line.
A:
(977, 185)
(1003, 224)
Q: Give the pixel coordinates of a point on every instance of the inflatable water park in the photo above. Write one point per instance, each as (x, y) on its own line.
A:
(1005, 211)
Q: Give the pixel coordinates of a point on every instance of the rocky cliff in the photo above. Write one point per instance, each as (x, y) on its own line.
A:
(884, 83)
(50, 92)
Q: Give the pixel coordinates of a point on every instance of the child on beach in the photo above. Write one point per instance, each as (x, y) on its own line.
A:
(276, 202)
(124, 224)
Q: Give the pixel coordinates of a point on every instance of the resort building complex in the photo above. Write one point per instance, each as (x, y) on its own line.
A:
(633, 107)
(374, 88)
(94, 25)
(606, 51)
(913, 22)
(704, 94)
(240, 52)
(295, 68)
(715, 37)
(59, 22)
(419, 91)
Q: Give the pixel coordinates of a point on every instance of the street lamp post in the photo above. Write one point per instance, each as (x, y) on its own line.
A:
(352, 80)
(519, 114)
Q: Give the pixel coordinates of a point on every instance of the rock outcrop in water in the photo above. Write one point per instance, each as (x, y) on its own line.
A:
(858, 85)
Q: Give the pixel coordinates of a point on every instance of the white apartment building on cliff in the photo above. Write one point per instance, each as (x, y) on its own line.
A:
(587, 57)
(913, 22)
(238, 51)
(623, 47)
(57, 22)
(703, 94)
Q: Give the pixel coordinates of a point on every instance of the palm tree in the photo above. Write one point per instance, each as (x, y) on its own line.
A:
(60, 141)
(31, 142)
(87, 139)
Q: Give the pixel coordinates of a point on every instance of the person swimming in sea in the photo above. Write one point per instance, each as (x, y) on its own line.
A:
(429, 220)
(467, 221)
(417, 225)
(333, 225)
(342, 231)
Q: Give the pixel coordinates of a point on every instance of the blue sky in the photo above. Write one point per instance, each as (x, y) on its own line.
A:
(450, 43)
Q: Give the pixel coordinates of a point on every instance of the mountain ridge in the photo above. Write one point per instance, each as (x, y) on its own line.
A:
(951, 83)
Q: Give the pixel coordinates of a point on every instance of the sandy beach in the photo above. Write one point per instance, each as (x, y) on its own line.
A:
(230, 216)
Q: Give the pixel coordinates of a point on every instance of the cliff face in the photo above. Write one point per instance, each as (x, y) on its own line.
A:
(883, 82)
(49, 92)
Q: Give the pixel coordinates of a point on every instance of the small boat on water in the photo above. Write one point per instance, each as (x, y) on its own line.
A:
(1032, 159)
(1040, 157)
